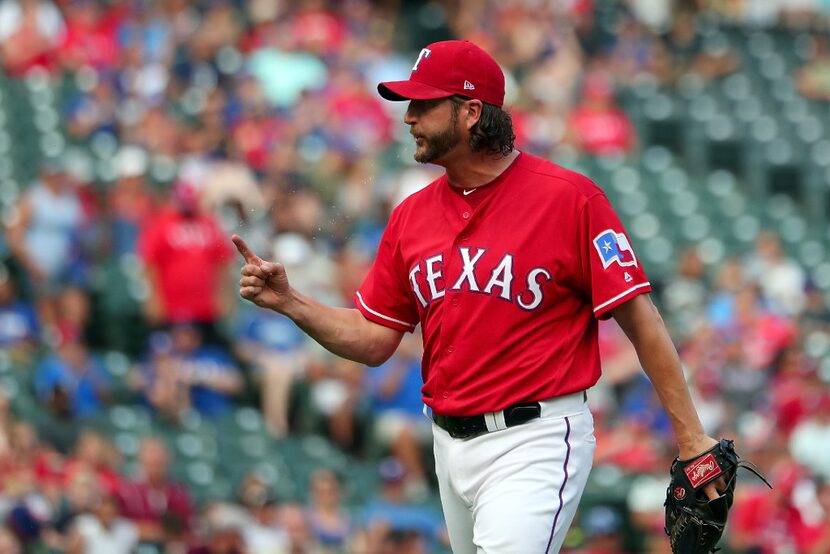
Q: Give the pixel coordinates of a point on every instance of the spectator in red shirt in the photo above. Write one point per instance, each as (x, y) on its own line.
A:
(91, 36)
(770, 522)
(177, 245)
(597, 126)
(93, 454)
(795, 389)
(161, 508)
(356, 118)
(30, 31)
(317, 29)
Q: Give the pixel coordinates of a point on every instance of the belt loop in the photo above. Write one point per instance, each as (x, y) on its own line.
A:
(499, 420)
(490, 422)
(495, 421)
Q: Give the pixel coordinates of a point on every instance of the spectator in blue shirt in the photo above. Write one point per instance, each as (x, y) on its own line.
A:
(19, 329)
(392, 518)
(74, 374)
(400, 425)
(275, 348)
(157, 379)
(209, 370)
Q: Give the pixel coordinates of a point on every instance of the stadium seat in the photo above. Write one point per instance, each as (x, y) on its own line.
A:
(811, 252)
(130, 419)
(196, 446)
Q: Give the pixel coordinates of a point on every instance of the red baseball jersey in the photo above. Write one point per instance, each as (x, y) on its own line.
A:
(507, 282)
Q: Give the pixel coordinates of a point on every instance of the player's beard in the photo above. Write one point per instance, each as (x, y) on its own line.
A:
(438, 145)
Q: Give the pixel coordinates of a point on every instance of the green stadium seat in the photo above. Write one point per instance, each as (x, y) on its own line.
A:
(196, 446)
(746, 228)
(645, 226)
(283, 478)
(656, 159)
(811, 253)
(249, 420)
(130, 419)
(360, 481)
(323, 453)
(820, 276)
(126, 443)
(793, 229)
(711, 250)
(695, 227)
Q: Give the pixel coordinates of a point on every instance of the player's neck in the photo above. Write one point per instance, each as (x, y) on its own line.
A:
(476, 169)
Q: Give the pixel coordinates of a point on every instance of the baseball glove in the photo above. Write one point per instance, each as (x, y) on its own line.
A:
(694, 523)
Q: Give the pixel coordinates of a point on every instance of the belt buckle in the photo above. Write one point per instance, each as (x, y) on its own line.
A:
(522, 413)
(457, 428)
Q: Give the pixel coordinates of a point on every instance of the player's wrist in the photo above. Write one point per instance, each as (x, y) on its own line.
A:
(694, 445)
(288, 304)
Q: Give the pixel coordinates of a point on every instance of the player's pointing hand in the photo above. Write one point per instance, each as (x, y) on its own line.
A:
(263, 283)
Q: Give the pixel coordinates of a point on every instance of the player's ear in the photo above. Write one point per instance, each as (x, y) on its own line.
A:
(473, 112)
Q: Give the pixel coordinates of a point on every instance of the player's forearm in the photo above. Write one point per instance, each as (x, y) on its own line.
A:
(647, 332)
(342, 331)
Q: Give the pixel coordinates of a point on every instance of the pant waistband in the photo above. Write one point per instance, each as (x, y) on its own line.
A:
(465, 427)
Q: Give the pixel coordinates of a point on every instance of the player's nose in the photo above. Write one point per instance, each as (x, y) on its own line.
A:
(409, 117)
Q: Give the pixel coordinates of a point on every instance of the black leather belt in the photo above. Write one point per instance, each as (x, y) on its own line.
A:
(465, 427)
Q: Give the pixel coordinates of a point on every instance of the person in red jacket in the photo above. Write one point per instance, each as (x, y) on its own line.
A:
(186, 260)
(597, 126)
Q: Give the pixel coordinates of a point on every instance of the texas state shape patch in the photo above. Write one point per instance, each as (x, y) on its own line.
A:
(614, 247)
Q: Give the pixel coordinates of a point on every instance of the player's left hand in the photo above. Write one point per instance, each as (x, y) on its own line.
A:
(695, 521)
(693, 449)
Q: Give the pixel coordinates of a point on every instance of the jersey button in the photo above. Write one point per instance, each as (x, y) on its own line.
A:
(455, 301)
(466, 215)
(446, 395)
(450, 349)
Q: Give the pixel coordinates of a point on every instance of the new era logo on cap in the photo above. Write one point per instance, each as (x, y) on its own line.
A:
(450, 67)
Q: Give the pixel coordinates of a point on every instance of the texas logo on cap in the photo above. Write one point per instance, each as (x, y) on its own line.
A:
(450, 67)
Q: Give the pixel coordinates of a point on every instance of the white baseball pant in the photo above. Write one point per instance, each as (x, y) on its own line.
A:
(515, 491)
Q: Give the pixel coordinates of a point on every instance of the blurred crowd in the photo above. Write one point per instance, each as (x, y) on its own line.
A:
(185, 122)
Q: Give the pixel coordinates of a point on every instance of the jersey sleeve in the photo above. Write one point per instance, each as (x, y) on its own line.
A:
(385, 297)
(611, 272)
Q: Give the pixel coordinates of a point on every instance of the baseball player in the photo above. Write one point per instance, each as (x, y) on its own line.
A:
(507, 261)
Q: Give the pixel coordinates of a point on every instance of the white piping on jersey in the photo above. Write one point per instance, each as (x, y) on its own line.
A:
(635, 287)
(380, 315)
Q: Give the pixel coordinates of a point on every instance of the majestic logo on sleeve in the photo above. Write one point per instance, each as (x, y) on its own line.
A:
(614, 247)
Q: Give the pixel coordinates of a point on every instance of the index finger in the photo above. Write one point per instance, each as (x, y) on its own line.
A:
(246, 252)
(714, 489)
